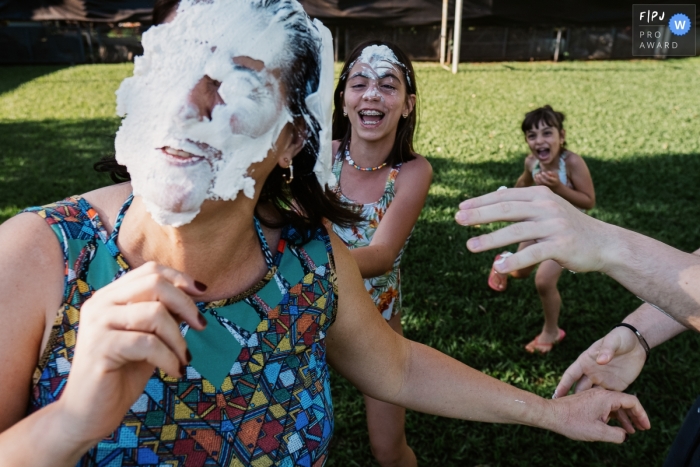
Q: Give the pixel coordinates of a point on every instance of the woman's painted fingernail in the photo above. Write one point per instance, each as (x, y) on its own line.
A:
(202, 320)
(201, 287)
(188, 355)
(554, 396)
(183, 370)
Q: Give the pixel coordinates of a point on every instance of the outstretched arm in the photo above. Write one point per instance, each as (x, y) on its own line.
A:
(420, 378)
(658, 273)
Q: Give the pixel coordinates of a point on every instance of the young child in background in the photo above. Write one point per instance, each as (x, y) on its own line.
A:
(566, 174)
(382, 176)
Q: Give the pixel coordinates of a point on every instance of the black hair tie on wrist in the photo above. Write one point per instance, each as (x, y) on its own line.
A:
(641, 339)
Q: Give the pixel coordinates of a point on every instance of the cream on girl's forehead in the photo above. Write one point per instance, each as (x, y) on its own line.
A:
(375, 55)
(380, 59)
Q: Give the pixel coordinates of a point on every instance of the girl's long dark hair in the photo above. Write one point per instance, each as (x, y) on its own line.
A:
(402, 151)
(304, 203)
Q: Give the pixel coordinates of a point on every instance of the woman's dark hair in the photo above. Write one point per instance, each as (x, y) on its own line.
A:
(304, 203)
(162, 10)
(402, 151)
(544, 114)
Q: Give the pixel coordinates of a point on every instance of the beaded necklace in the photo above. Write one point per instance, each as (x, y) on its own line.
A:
(352, 162)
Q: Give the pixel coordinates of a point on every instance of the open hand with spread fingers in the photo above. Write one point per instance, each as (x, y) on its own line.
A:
(560, 231)
(127, 329)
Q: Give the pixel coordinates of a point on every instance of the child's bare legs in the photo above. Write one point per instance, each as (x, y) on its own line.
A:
(546, 282)
(386, 422)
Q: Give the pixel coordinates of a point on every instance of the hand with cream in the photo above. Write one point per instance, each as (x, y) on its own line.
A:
(657, 273)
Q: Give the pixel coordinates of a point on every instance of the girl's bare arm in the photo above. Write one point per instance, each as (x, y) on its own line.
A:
(525, 178)
(412, 187)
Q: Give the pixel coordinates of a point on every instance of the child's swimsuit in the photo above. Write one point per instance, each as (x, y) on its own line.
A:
(385, 289)
(563, 176)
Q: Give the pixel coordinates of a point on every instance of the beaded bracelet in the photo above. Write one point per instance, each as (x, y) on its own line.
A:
(641, 339)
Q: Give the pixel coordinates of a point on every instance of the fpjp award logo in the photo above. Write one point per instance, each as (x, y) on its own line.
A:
(663, 30)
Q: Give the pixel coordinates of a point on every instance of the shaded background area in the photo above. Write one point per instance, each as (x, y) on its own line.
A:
(636, 124)
(90, 31)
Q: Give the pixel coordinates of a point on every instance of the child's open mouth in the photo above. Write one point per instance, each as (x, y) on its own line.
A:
(371, 117)
(543, 153)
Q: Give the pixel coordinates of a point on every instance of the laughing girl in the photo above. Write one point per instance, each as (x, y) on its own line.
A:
(566, 174)
(381, 175)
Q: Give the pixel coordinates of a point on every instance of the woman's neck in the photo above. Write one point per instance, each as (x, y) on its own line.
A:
(220, 247)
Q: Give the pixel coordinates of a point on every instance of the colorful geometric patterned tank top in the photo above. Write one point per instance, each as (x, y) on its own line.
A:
(385, 290)
(257, 391)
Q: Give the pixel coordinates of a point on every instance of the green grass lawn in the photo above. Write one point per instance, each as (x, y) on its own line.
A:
(636, 123)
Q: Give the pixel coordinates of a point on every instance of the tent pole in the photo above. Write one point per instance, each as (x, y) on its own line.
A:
(558, 45)
(458, 36)
(443, 32)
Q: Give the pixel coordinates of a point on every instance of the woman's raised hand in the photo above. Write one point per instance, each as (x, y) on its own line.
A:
(127, 329)
(560, 231)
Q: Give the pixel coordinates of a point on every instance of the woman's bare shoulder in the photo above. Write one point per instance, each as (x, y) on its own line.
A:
(31, 291)
(108, 201)
(31, 260)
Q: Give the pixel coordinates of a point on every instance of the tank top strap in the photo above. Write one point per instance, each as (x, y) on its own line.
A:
(111, 242)
(269, 259)
(338, 166)
(390, 187)
(563, 177)
(91, 256)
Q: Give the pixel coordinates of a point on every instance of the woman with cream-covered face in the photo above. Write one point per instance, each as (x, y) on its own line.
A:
(205, 340)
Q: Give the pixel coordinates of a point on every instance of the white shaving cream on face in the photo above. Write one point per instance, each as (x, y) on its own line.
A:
(381, 60)
(229, 47)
